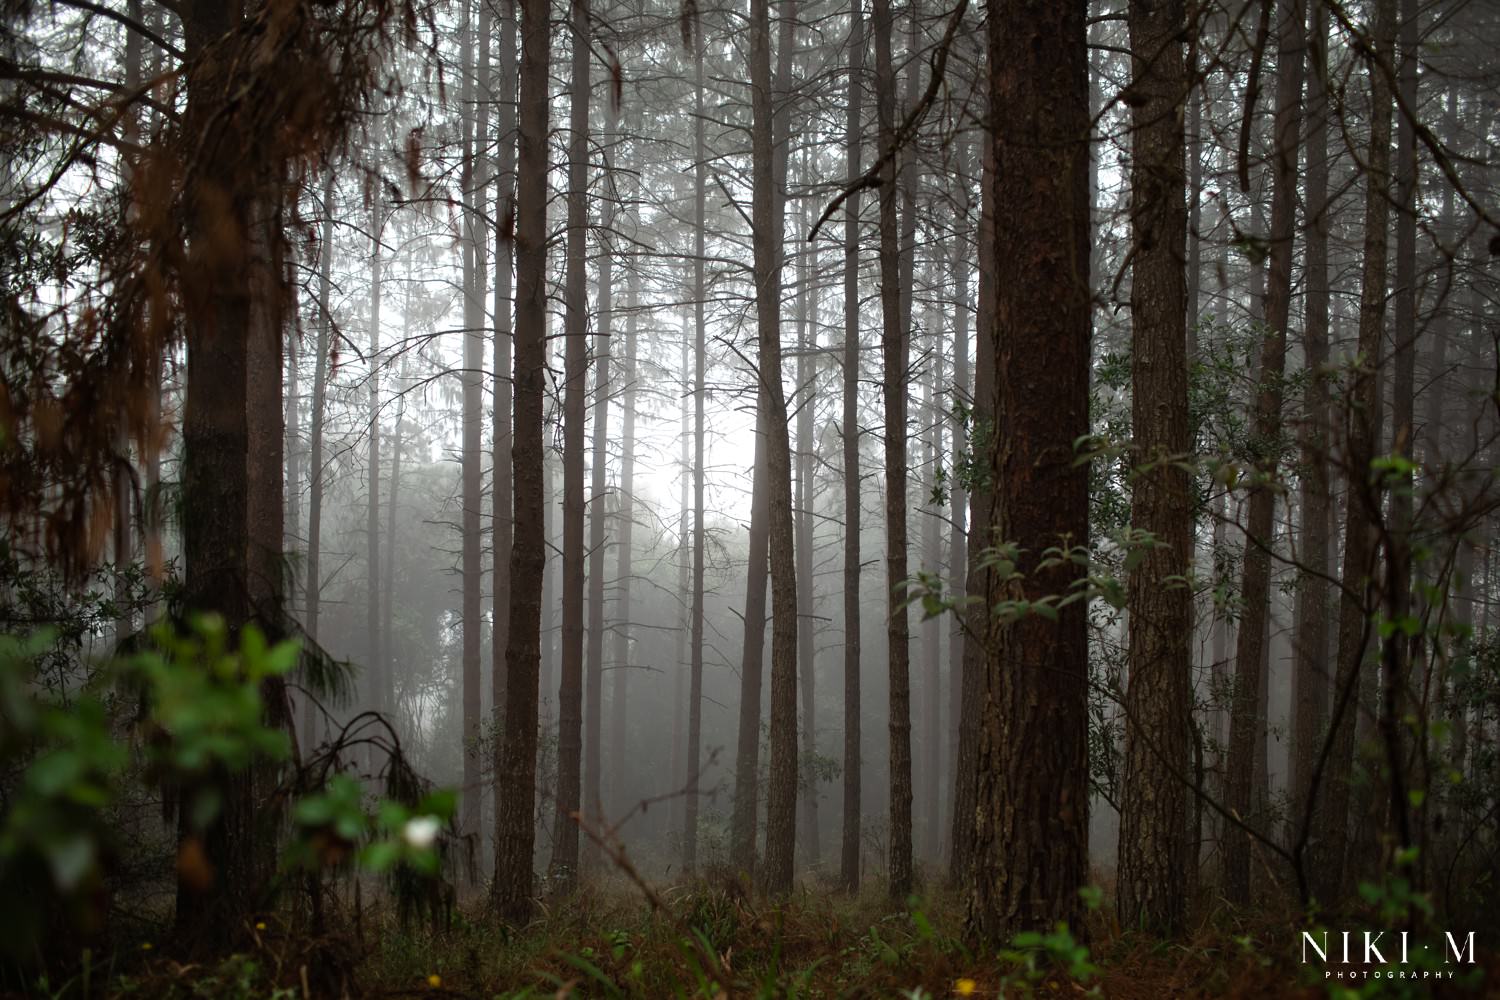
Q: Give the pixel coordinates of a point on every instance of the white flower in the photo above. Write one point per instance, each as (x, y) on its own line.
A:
(421, 831)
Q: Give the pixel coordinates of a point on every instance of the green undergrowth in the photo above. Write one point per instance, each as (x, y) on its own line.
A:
(713, 940)
(709, 939)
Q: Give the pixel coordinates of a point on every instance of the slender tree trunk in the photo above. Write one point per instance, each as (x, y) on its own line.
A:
(807, 452)
(981, 536)
(121, 486)
(684, 586)
(853, 756)
(502, 487)
(550, 614)
(932, 635)
(473, 422)
(1362, 498)
(1031, 834)
(625, 525)
(1396, 660)
(958, 549)
(1310, 674)
(684, 582)
(516, 809)
(378, 697)
(766, 205)
(1153, 856)
(575, 366)
(700, 527)
(893, 350)
(1246, 721)
(292, 420)
(314, 579)
(388, 566)
(1195, 210)
(593, 801)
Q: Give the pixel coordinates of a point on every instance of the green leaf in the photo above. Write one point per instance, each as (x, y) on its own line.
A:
(380, 856)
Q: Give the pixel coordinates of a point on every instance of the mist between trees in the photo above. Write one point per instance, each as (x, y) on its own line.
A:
(976, 449)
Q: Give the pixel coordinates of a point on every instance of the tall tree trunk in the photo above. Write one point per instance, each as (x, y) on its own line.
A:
(1153, 857)
(1194, 295)
(1396, 660)
(593, 802)
(747, 750)
(807, 451)
(932, 635)
(1031, 834)
(378, 687)
(958, 548)
(1246, 722)
(231, 471)
(1362, 496)
(1310, 675)
(694, 750)
(680, 768)
(516, 809)
(121, 486)
(313, 587)
(564, 865)
(766, 214)
(501, 489)
(893, 351)
(473, 424)
(981, 537)
(625, 525)
(853, 756)
(387, 590)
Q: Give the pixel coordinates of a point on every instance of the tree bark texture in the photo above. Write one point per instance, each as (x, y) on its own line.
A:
(1153, 856)
(516, 809)
(1031, 831)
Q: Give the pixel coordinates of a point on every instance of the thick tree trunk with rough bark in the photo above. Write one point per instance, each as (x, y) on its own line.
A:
(1031, 831)
(1153, 857)
(231, 474)
(766, 205)
(511, 892)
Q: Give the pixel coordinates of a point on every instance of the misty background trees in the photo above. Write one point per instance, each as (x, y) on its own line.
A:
(925, 446)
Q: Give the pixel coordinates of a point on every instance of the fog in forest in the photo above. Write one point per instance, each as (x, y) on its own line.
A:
(923, 455)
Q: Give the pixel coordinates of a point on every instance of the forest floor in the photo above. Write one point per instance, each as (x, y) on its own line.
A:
(711, 941)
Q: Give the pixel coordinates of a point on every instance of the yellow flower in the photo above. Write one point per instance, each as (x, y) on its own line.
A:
(146, 946)
(434, 980)
(965, 987)
(260, 925)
